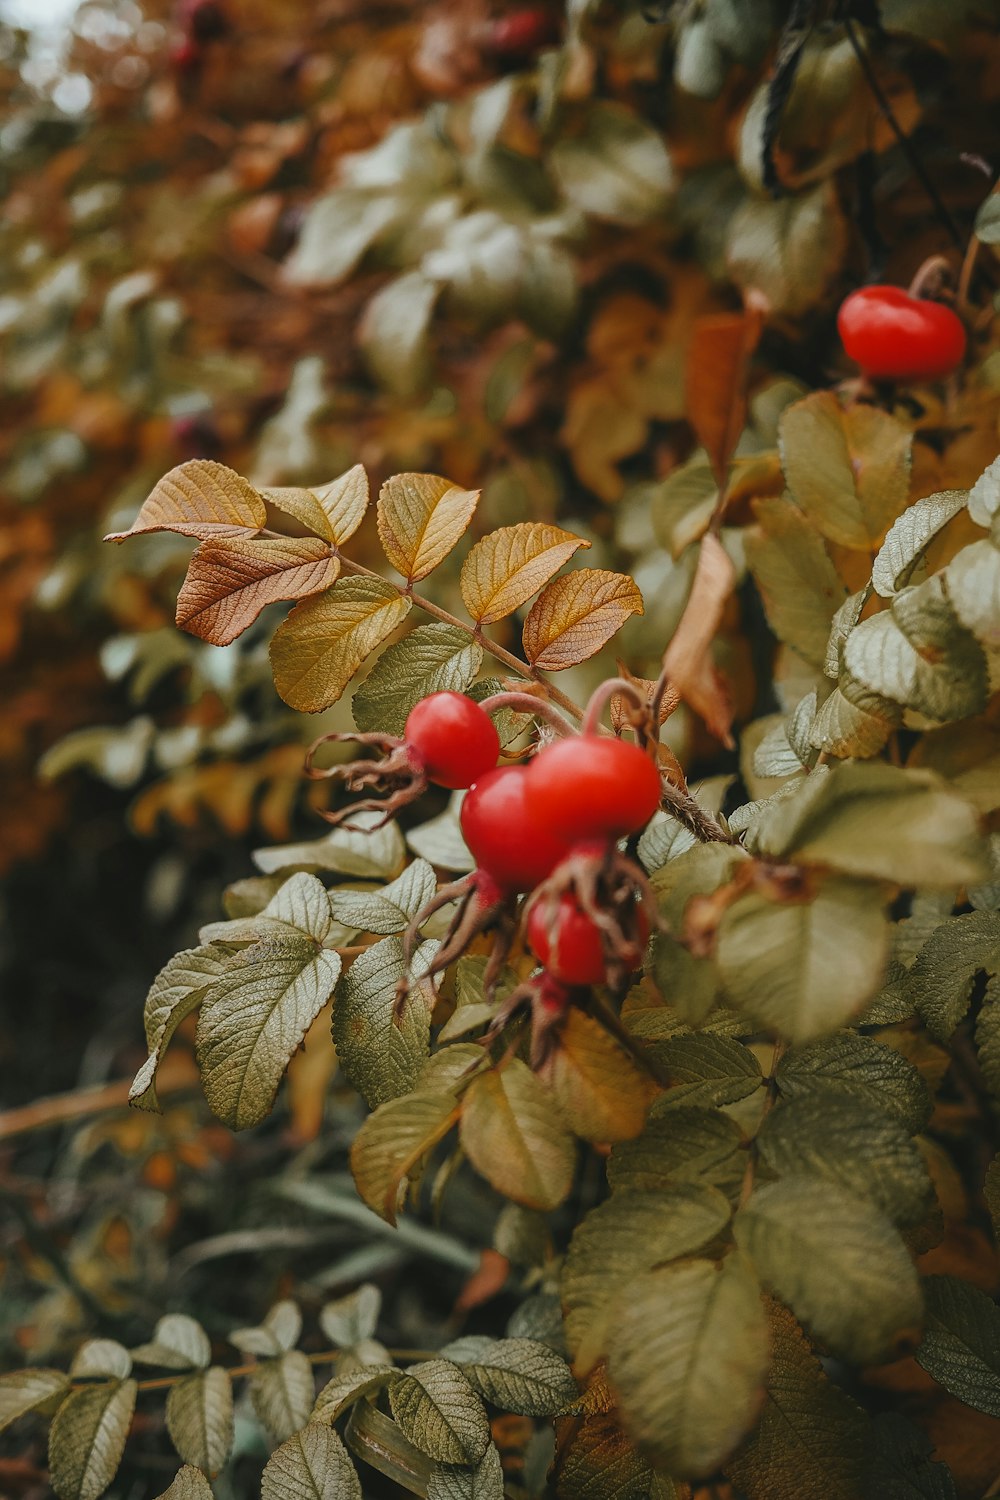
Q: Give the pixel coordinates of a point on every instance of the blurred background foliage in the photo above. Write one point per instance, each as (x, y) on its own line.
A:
(461, 237)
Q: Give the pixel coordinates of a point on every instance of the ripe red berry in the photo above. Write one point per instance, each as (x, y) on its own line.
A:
(569, 944)
(454, 739)
(589, 786)
(518, 35)
(503, 836)
(894, 336)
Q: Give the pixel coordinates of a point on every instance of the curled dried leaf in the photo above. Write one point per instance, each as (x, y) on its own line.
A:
(231, 579)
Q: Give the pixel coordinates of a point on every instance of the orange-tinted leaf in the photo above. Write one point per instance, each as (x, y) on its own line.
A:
(687, 661)
(716, 382)
(231, 579)
(576, 615)
(619, 706)
(601, 1092)
(421, 517)
(203, 499)
(508, 566)
(318, 649)
(333, 511)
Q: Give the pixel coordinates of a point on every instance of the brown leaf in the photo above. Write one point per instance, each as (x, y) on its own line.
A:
(576, 615)
(600, 1091)
(333, 511)
(231, 579)
(687, 661)
(318, 649)
(508, 566)
(421, 517)
(201, 498)
(715, 382)
(619, 707)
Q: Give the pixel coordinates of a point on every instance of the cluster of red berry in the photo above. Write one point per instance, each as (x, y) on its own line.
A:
(527, 825)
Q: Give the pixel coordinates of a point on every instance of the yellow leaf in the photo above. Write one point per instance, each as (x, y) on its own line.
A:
(600, 1090)
(576, 615)
(202, 499)
(513, 1136)
(318, 649)
(421, 517)
(508, 566)
(231, 579)
(687, 662)
(333, 511)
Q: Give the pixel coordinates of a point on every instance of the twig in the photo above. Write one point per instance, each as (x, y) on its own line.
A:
(61, 1109)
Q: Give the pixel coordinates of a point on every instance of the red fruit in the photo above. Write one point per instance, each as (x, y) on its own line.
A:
(589, 786)
(505, 839)
(521, 33)
(454, 739)
(894, 336)
(186, 56)
(569, 944)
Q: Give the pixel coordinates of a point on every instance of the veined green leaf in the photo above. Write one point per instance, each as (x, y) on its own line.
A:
(440, 1413)
(909, 535)
(704, 1070)
(456, 1482)
(387, 910)
(382, 1054)
(514, 1374)
(178, 1343)
(317, 650)
(961, 1343)
(310, 1465)
(859, 1067)
(346, 1388)
(87, 1439)
(101, 1357)
(350, 1319)
(429, 659)
(363, 851)
(22, 1391)
(942, 975)
(178, 990)
(799, 584)
(200, 1418)
(686, 1145)
(283, 1392)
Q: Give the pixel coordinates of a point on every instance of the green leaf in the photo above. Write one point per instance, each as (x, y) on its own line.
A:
(393, 1142)
(631, 1233)
(352, 1318)
(961, 1343)
(187, 1484)
(278, 1333)
(848, 467)
(797, 580)
(361, 851)
(685, 1145)
(317, 650)
(909, 536)
(200, 1418)
(900, 1465)
(787, 965)
(787, 249)
(484, 1482)
(837, 1262)
(988, 1037)
(178, 990)
(283, 1392)
(310, 1465)
(349, 1386)
(512, 1136)
(880, 823)
(861, 1148)
(253, 1019)
(617, 169)
(812, 1440)
(987, 225)
(688, 1358)
(440, 1413)
(972, 579)
(918, 654)
(662, 839)
(703, 1069)
(852, 722)
(101, 1357)
(87, 1439)
(991, 1193)
(178, 1343)
(390, 909)
(943, 972)
(856, 1067)
(429, 659)
(381, 1053)
(515, 1375)
(394, 333)
(22, 1391)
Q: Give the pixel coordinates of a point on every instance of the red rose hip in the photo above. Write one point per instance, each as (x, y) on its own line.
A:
(568, 942)
(589, 786)
(454, 739)
(894, 336)
(503, 836)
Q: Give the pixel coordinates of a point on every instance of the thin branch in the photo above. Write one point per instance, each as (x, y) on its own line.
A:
(80, 1104)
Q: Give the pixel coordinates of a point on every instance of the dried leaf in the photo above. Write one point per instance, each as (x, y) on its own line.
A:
(318, 649)
(601, 1092)
(504, 569)
(231, 579)
(421, 517)
(514, 1137)
(201, 498)
(577, 615)
(716, 382)
(687, 662)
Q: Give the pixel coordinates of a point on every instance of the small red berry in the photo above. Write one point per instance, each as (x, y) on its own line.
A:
(503, 836)
(570, 945)
(894, 336)
(186, 56)
(454, 739)
(520, 34)
(590, 786)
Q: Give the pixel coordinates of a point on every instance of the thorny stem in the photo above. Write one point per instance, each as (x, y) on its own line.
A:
(770, 1099)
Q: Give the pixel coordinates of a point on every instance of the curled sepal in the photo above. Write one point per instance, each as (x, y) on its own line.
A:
(395, 780)
(481, 907)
